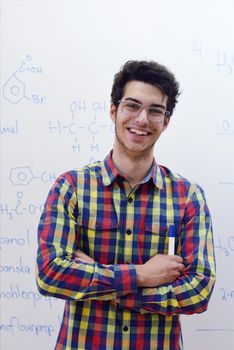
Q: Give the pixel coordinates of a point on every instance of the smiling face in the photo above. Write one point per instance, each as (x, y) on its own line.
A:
(136, 136)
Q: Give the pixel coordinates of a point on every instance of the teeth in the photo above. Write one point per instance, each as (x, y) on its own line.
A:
(138, 132)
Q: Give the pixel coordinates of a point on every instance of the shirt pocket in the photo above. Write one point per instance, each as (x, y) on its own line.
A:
(156, 240)
(98, 238)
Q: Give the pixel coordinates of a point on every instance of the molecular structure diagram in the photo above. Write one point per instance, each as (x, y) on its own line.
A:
(14, 90)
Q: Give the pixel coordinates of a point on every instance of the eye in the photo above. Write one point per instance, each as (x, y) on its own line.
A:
(132, 106)
(156, 112)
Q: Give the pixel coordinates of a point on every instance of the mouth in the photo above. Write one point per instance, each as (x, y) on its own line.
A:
(139, 132)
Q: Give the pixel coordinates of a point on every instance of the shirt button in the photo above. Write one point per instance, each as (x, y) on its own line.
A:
(125, 328)
(129, 232)
(130, 200)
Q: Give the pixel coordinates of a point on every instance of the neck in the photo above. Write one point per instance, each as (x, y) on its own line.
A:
(133, 167)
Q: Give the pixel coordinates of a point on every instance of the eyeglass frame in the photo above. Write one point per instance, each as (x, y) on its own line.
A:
(166, 113)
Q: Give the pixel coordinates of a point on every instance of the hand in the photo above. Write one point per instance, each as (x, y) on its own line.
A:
(158, 270)
(81, 256)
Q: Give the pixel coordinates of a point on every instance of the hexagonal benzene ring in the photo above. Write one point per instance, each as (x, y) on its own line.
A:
(14, 90)
(21, 175)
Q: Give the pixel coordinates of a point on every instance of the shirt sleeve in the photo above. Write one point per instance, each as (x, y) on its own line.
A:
(191, 292)
(58, 274)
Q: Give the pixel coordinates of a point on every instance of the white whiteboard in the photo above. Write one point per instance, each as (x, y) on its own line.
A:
(58, 59)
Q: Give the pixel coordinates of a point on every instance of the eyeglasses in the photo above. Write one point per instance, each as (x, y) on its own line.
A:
(134, 109)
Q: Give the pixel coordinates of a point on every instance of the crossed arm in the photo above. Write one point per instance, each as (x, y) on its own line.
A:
(164, 284)
(160, 269)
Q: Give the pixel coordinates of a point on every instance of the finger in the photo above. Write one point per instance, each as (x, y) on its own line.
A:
(181, 267)
(82, 256)
(84, 259)
(178, 258)
(79, 253)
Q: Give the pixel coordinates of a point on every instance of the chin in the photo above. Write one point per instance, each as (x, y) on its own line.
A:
(137, 151)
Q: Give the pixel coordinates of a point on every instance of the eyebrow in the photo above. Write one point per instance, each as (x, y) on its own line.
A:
(152, 105)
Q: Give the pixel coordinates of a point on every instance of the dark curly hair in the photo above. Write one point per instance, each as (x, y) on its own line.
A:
(149, 72)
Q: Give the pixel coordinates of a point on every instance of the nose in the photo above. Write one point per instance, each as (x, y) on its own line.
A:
(143, 116)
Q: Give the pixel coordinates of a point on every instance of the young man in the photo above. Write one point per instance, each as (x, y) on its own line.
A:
(104, 232)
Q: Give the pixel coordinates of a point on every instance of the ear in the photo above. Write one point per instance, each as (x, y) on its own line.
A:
(113, 112)
(166, 122)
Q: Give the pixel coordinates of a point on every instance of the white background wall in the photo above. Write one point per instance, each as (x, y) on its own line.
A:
(58, 59)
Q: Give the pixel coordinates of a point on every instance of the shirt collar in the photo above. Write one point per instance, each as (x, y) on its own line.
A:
(110, 173)
(157, 175)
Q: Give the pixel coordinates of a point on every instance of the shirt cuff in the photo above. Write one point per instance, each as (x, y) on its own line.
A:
(125, 279)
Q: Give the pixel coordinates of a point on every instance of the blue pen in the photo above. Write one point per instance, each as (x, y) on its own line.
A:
(172, 234)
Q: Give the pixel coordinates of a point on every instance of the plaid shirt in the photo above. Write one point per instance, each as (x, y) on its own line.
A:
(95, 209)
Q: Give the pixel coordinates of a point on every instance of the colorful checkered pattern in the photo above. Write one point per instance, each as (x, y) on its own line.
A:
(95, 209)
